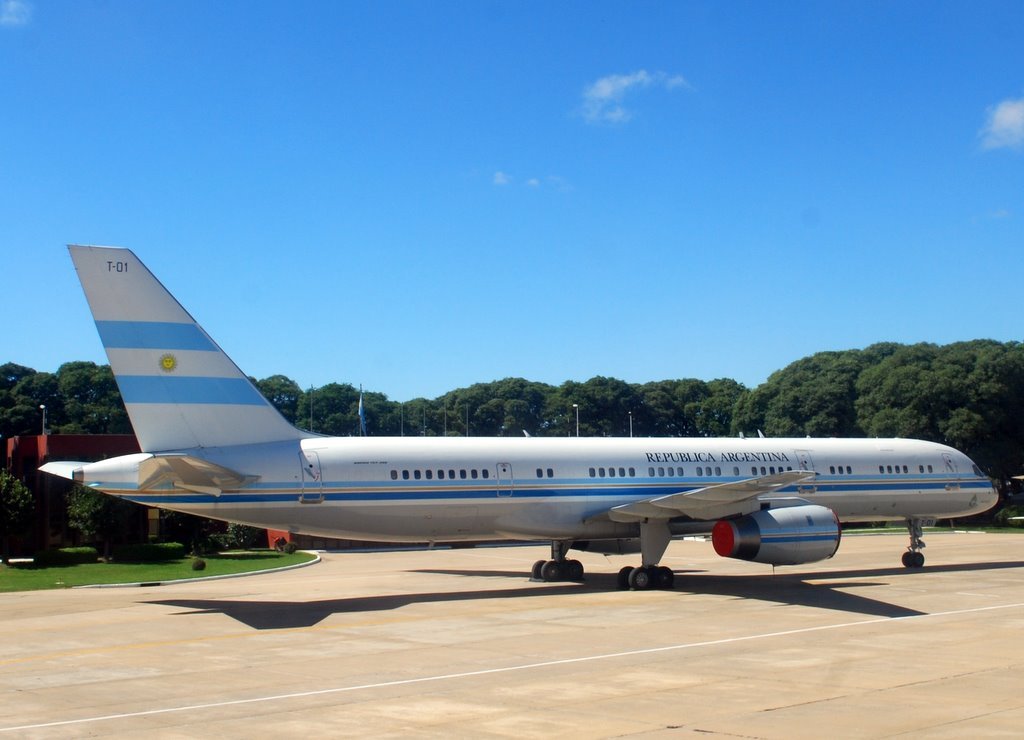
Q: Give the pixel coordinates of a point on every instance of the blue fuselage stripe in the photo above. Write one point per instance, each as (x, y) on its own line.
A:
(188, 390)
(153, 335)
(357, 492)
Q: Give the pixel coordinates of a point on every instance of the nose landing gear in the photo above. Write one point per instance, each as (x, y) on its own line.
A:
(913, 557)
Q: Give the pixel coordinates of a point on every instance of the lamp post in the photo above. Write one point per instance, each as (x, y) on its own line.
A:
(577, 407)
(42, 407)
(631, 424)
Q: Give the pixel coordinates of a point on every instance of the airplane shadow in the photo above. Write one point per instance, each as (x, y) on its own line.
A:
(277, 615)
(790, 589)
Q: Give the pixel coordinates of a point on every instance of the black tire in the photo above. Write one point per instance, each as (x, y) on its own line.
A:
(918, 559)
(623, 577)
(664, 577)
(535, 572)
(573, 570)
(908, 559)
(640, 578)
(552, 571)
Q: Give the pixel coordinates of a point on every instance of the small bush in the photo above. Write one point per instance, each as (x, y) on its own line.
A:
(1003, 517)
(66, 556)
(151, 552)
(198, 564)
(290, 548)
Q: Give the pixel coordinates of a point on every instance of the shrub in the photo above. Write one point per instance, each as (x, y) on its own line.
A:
(66, 556)
(1002, 519)
(290, 548)
(243, 536)
(151, 552)
(198, 564)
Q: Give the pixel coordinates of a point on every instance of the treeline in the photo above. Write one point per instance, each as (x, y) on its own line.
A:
(969, 395)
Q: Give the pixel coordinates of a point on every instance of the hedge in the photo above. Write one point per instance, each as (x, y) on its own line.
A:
(151, 552)
(66, 556)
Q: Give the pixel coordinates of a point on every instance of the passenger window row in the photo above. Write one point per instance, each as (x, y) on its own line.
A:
(833, 470)
(612, 472)
(897, 469)
(442, 474)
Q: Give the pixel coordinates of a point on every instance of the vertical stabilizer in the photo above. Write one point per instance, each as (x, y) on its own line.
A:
(180, 389)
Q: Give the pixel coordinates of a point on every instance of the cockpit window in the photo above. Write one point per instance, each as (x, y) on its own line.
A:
(977, 471)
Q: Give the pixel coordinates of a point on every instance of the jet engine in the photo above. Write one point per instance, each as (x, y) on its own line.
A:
(786, 536)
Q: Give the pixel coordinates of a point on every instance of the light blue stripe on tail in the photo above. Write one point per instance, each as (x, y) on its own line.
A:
(153, 335)
(186, 390)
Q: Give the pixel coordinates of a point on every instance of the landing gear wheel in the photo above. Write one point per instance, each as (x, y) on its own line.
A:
(623, 577)
(535, 572)
(573, 570)
(664, 577)
(640, 578)
(552, 571)
(912, 559)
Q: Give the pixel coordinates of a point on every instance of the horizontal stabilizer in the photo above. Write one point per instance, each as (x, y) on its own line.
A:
(64, 469)
(190, 473)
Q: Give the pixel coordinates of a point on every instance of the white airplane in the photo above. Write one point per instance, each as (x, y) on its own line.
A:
(213, 446)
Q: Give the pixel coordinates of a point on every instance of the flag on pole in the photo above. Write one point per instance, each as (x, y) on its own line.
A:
(362, 414)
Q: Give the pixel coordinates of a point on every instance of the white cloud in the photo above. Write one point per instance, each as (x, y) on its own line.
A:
(1005, 126)
(533, 182)
(15, 12)
(500, 178)
(602, 100)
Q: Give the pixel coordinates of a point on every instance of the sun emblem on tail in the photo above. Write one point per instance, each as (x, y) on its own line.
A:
(168, 363)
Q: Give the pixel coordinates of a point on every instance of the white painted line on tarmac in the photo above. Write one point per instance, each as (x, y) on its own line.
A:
(507, 669)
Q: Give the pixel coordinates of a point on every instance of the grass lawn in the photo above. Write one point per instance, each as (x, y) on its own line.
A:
(30, 578)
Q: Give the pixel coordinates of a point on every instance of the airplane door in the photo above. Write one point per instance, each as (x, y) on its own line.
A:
(312, 478)
(803, 458)
(504, 479)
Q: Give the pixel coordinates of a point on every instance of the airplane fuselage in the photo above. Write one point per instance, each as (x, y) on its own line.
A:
(452, 489)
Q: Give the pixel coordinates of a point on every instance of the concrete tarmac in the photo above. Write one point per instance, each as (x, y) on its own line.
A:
(459, 643)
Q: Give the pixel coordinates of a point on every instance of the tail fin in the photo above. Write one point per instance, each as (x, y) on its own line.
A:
(180, 389)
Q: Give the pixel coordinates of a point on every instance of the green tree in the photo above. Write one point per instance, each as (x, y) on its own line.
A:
(17, 509)
(20, 400)
(283, 394)
(335, 408)
(98, 516)
(91, 401)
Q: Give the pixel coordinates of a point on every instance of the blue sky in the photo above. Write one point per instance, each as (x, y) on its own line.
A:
(419, 196)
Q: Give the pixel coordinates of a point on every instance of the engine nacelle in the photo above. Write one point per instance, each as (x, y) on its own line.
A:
(787, 536)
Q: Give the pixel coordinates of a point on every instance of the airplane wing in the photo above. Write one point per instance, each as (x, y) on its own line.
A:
(710, 502)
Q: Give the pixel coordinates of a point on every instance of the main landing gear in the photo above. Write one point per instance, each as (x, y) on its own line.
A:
(645, 577)
(559, 568)
(913, 557)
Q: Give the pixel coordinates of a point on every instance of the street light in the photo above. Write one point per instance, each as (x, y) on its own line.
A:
(577, 407)
(42, 407)
(631, 424)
